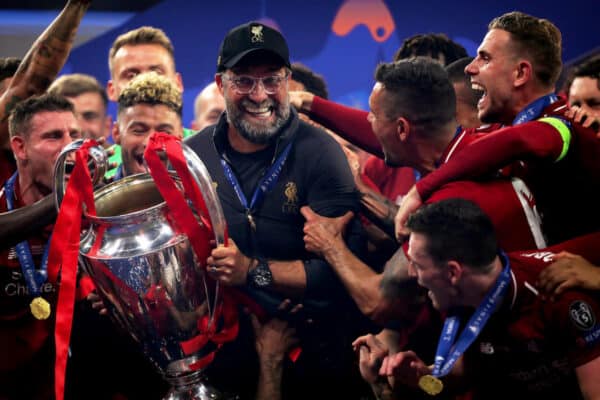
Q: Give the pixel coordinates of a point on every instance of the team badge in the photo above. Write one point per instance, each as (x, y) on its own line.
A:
(290, 206)
(582, 315)
(257, 34)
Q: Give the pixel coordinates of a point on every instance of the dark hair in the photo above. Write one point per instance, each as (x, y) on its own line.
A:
(456, 74)
(8, 67)
(73, 85)
(456, 70)
(314, 83)
(420, 91)
(536, 39)
(456, 229)
(433, 45)
(588, 69)
(21, 116)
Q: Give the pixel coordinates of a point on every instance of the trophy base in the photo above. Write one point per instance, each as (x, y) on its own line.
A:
(191, 387)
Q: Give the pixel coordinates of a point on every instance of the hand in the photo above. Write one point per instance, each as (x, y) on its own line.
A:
(410, 203)
(229, 265)
(404, 367)
(371, 353)
(274, 338)
(97, 303)
(583, 117)
(568, 271)
(302, 101)
(323, 234)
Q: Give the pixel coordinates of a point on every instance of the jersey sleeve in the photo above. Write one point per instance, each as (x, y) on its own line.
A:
(532, 141)
(575, 315)
(349, 123)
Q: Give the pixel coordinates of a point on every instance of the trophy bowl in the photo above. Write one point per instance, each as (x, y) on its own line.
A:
(152, 282)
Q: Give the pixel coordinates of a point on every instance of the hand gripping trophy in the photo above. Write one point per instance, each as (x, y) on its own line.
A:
(144, 242)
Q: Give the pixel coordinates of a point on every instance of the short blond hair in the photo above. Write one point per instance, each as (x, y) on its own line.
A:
(153, 89)
(141, 35)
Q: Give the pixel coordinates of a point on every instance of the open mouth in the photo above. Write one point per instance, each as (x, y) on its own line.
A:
(262, 111)
(481, 92)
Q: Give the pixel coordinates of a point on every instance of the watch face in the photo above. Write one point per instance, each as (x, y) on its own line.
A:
(261, 275)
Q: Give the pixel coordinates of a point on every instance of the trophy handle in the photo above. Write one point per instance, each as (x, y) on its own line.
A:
(97, 164)
(204, 182)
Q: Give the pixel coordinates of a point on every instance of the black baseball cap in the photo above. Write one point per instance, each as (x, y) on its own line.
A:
(247, 38)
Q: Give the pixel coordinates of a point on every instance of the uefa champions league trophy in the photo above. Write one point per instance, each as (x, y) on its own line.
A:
(147, 273)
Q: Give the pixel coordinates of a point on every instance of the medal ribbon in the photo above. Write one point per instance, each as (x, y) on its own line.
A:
(34, 278)
(448, 352)
(63, 254)
(534, 109)
(265, 185)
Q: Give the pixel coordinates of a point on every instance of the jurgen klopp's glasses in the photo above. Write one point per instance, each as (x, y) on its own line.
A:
(244, 84)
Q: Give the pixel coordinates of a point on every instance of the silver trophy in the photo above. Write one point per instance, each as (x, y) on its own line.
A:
(146, 272)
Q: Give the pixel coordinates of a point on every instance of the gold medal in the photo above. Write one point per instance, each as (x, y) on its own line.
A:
(431, 385)
(40, 308)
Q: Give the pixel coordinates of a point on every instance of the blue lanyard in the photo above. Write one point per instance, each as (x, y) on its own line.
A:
(448, 352)
(266, 184)
(534, 110)
(34, 278)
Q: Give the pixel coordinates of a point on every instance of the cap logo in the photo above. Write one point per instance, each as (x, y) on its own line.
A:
(257, 34)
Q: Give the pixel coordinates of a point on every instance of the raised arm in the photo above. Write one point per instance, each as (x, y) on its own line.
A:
(531, 141)
(42, 62)
(347, 122)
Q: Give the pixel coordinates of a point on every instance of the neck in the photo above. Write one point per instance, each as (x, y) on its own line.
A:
(29, 190)
(430, 151)
(528, 97)
(478, 284)
(241, 144)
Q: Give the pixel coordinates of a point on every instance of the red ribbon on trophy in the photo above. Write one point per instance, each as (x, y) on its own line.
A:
(199, 236)
(63, 254)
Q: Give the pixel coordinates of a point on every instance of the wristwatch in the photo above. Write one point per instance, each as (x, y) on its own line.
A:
(260, 277)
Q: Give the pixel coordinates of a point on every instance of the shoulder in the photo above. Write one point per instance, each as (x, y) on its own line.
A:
(200, 139)
(310, 135)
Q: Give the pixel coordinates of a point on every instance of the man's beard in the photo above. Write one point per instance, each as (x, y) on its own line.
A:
(258, 133)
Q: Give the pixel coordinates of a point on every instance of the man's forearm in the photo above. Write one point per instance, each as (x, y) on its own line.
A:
(19, 224)
(269, 380)
(43, 61)
(379, 210)
(289, 278)
(359, 279)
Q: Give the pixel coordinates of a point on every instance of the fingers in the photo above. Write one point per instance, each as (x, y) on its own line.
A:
(308, 213)
(345, 219)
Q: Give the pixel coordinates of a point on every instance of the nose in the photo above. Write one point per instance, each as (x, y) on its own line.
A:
(258, 93)
(471, 68)
(370, 117)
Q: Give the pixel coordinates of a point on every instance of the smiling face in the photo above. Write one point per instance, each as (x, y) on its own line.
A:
(493, 71)
(585, 93)
(133, 128)
(257, 116)
(132, 60)
(38, 149)
(91, 114)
